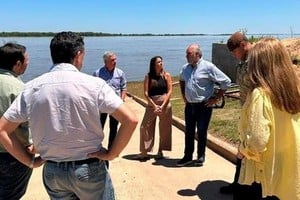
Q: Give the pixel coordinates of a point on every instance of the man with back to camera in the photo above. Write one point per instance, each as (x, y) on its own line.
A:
(116, 79)
(14, 175)
(63, 108)
(197, 80)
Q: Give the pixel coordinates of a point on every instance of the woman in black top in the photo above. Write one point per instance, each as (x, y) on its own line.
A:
(157, 90)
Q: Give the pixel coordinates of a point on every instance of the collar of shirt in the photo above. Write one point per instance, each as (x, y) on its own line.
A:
(197, 64)
(107, 71)
(8, 72)
(63, 67)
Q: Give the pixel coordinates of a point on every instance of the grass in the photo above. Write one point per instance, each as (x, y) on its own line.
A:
(223, 123)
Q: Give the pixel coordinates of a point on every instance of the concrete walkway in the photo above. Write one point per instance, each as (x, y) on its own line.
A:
(157, 180)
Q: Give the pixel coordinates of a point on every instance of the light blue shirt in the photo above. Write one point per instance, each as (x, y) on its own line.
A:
(200, 80)
(63, 108)
(115, 79)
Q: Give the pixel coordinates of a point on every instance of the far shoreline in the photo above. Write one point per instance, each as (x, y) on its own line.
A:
(101, 34)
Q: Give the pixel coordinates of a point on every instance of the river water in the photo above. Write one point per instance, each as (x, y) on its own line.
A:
(134, 53)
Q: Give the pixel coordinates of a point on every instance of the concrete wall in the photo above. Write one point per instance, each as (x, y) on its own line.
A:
(224, 60)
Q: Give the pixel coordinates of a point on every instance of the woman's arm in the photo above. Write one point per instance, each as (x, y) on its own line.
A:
(255, 125)
(146, 89)
(169, 86)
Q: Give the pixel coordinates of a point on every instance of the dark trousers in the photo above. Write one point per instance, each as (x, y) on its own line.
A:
(251, 192)
(197, 115)
(14, 177)
(113, 127)
(237, 170)
(247, 192)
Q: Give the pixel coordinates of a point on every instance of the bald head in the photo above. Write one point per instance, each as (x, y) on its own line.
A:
(195, 48)
(235, 39)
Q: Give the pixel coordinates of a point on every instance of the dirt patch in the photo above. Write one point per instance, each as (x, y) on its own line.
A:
(293, 47)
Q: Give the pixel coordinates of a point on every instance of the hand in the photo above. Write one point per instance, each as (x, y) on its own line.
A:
(211, 102)
(157, 109)
(31, 149)
(36, 162)
(239, 155)
(102, 154)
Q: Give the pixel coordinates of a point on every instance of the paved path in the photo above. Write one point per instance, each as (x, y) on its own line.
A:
(157, 180)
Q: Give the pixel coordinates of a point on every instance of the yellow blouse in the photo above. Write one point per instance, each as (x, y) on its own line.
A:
(270, 142)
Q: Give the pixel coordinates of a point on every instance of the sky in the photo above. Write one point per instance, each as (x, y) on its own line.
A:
(151, 16)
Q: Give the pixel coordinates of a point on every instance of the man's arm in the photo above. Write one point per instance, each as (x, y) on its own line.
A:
(123, 95)
(123, 86)
(182, 89)
(11, 143)
(128, 122)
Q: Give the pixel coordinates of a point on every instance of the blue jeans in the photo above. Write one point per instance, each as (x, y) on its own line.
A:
(14, 177)
(196, 115)
(68, 181)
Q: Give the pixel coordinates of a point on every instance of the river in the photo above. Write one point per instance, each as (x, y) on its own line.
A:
(133, 53)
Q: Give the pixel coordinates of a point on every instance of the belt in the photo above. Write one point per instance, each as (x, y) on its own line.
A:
(197, 103)
(77, 162)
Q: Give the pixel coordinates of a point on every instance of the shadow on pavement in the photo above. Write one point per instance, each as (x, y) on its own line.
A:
(166, 162)
(170, 162)
(135, 157)
(207, 190)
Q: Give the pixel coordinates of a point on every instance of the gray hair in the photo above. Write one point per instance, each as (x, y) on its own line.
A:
(107, 54)
(196, 48)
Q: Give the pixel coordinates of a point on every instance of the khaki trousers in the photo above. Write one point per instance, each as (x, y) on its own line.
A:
(147, 129)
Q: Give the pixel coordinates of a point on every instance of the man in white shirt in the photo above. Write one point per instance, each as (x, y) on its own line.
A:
(63, 108)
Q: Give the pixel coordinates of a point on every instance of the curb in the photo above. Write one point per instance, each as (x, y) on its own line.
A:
(220, 147)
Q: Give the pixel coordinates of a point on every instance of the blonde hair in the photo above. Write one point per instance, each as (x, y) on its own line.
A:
(271, 68)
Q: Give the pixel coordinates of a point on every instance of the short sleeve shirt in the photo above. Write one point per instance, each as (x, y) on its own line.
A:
(115, 79)
(63, 108)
